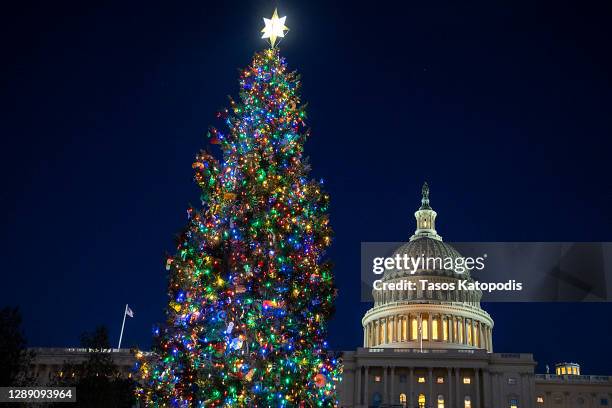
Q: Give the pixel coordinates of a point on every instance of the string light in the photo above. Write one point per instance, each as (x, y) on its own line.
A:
(250, 292)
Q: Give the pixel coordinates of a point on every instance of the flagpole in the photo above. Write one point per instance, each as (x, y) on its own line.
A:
(122, 326)
(421, 331)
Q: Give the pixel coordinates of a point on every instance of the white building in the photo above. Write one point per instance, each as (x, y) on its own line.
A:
(435, 348)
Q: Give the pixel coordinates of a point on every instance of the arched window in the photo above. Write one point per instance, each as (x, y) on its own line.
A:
(513, 403)
(422, 400)
(440, 401)
(467, 402)
(425, 328)
(376, 399)
(415, 329)
(403, 400)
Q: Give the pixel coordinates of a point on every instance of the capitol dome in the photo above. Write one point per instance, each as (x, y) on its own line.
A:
(445, 318)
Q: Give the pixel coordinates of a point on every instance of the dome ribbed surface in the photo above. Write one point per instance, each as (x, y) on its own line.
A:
(428, 248)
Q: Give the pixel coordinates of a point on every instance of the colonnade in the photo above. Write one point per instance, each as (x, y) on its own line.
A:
(431, 327)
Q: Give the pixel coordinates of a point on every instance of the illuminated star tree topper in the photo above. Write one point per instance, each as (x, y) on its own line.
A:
(274, 28)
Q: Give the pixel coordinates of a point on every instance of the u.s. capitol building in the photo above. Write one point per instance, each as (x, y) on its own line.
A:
(434, 349)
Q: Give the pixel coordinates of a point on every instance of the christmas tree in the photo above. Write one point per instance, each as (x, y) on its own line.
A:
(250, 293)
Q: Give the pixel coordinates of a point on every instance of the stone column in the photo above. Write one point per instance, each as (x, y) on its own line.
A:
(385, 398)
(486, 336)
(384, 336)
(399, 327)
(449, 397)
(482, 336)
(408, 327)
(430, 382)
(530, 391)
(477, 382)
(523, 385)
(392, 399)
(486, 379)
(358, 386)
(500, 389)
(451, 331)
(457, 388)
(411, 388)
(366, 397)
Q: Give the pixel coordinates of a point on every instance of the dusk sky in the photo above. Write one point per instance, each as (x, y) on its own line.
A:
(504, 108)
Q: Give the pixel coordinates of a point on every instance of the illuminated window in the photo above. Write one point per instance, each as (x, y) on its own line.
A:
(404, 330)
(425, 324)
(445, 329)
(476, 337)
(562, 370)
(460, 332)
(421, 379)
(440, 380)
(468, 330)
(377, 378)
(440, 401)
(540, 400)
(467, 380)
(467, 402)
(513, 403)
(421, 400)
(403, 400)
(575, 370)
(415, 329)
(434, 329)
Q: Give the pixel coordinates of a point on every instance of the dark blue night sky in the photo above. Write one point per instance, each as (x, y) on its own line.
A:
(503, 107)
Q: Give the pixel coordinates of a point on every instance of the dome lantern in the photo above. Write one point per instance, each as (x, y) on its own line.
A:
(425, 218)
